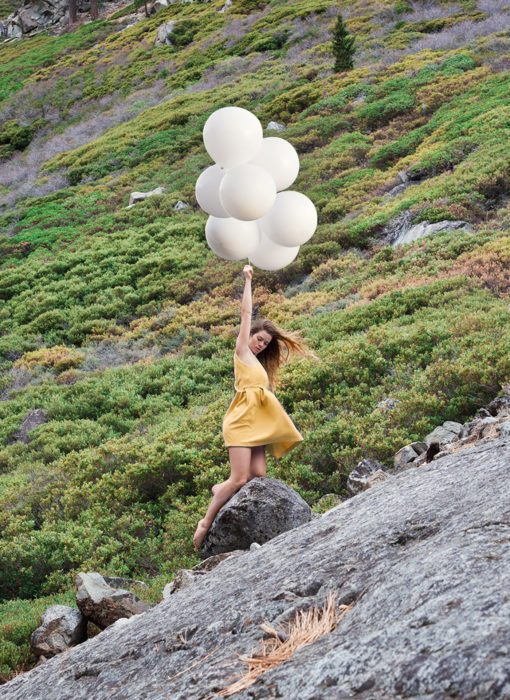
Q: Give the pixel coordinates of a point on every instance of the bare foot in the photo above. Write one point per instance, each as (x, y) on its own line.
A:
(214, 489)
(200, 533)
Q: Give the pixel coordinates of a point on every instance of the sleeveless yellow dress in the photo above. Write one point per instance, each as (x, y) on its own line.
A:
(255, 416)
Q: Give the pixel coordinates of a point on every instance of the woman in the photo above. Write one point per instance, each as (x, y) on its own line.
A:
(255, 418)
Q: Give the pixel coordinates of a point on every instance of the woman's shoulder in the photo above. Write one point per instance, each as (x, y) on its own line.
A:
(246, 358)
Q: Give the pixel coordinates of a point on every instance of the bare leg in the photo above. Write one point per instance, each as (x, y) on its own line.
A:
(258, 461)
(240, 458)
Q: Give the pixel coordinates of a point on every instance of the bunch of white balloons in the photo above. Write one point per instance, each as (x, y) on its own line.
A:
(250, 214)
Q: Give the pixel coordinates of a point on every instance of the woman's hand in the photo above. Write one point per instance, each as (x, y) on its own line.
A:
(248, 272)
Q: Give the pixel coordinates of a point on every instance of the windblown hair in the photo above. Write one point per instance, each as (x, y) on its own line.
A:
(279, 351)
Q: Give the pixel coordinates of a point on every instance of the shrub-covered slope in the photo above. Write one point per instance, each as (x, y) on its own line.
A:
(120, 323)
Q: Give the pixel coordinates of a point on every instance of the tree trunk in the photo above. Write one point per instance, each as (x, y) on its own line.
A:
(72, 12)
(94, 9)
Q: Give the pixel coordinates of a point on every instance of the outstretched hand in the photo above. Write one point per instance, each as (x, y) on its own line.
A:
(248, 272)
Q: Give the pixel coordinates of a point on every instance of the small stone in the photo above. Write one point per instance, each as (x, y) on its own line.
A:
(387, 404)
(254, 546)
(357, 479)
(180, 206)
(275, 126)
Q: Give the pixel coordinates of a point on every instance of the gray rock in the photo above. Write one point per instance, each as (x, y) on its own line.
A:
(118, 582)
(275, 126)
(402, 230)
(103, 604)
(405, 455)
(357, 481)
(32, 420)
(424, 228)
(505, 429)
(136, 197)
(442, 435)
(453, 427)
(61, 627)
(395, 191)
(187, 577)
(376, 478)
(419, 447)
(261, 510)
(226, 7)
(387, 404)
(426, 559)
(180, 206)
(163, 36)
(499, 405)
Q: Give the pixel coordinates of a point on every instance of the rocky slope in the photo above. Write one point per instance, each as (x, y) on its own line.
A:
(425, 556)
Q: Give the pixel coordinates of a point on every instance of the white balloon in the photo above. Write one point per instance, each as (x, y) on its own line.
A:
(270, 256)
(247, 192)
(232, 239)
(292, 221)
(207, 191)
(280, 159)
(232, 136)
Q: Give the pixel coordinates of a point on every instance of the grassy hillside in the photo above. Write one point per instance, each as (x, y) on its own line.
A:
(121, 323)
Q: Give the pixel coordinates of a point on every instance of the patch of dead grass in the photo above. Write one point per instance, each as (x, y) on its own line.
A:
(306, 627)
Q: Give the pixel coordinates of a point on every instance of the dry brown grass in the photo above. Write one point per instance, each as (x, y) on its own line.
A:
(306, 627)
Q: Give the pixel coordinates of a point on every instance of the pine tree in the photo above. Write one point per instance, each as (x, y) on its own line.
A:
(343, 46)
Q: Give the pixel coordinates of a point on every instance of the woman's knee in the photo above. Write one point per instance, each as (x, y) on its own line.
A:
(239, 480)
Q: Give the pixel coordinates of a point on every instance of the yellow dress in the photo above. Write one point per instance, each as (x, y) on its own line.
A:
(255, 416)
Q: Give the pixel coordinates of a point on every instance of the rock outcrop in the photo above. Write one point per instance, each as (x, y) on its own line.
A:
(426, 557)
(261, 510)
(33, 419)
(136, 197)
(37, 15)
(451, 436)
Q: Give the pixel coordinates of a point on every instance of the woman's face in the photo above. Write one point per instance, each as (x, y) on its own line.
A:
(259, 341)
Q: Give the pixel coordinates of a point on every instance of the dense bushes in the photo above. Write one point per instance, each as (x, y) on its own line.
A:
(120, 323)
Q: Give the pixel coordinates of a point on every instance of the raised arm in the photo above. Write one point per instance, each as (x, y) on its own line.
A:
(242, 348)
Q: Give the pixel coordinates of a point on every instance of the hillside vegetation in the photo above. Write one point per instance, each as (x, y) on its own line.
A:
(121, 323)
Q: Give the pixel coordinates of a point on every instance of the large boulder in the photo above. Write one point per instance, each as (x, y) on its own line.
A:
(61, 627)
(103, 604)
(425, 560)
(261, 510)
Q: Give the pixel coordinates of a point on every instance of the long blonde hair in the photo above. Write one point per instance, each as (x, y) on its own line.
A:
(280, 349)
